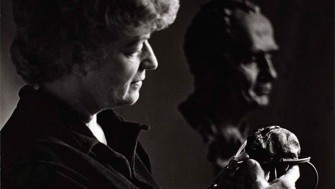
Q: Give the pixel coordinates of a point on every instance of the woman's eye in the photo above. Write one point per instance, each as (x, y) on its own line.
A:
(134, 52)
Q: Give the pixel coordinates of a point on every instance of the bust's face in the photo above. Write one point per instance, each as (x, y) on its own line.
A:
(252, 59)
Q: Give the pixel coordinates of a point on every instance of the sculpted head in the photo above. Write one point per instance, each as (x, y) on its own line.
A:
(229, 46)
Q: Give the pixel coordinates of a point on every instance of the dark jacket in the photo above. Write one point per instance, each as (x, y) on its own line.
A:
(45, 144)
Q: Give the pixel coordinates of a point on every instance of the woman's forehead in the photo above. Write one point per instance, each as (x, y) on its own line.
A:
(131, 40)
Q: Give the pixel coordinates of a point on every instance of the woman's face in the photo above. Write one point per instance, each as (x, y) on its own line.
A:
(120, 74)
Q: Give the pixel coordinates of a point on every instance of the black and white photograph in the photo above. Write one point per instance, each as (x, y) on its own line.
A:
(170, 94)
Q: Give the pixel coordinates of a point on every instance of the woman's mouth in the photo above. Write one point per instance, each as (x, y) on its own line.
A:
(137, 84)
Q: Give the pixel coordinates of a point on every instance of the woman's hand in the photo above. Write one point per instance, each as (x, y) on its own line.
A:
(257, 177)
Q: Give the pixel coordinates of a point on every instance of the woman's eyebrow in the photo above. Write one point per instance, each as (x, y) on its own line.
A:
(134, 41)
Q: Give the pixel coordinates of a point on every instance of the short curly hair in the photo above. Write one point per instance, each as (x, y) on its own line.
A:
(214, 31)
(52, 35)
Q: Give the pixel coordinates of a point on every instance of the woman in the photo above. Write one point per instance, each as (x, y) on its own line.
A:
(80, 59)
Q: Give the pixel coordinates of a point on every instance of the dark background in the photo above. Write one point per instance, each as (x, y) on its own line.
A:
(303, 99)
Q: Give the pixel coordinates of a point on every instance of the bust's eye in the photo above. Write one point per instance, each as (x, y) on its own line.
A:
(255, 59)
(249, 61)
(245, 58)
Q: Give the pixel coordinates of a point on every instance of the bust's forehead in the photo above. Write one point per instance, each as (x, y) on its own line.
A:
(255, 29)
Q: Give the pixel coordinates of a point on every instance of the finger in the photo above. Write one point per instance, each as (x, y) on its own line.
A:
(242, 157)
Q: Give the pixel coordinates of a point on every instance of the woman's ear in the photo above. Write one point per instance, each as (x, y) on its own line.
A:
(76, 54)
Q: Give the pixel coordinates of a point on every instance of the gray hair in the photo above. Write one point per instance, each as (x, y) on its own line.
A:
(52, 35)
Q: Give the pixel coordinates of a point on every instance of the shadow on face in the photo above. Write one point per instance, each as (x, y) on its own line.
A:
(251, 57)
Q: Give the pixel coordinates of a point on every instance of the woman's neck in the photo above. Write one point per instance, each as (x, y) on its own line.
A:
(70, 92)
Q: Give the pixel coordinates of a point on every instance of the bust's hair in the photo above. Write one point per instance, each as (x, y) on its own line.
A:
(52, 35)
(212, 33)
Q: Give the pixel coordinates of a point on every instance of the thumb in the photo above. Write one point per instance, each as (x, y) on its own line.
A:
(290, 177)
(256, 174)
(255, 170)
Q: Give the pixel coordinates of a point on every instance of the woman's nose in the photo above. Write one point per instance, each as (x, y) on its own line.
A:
(149, 60)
